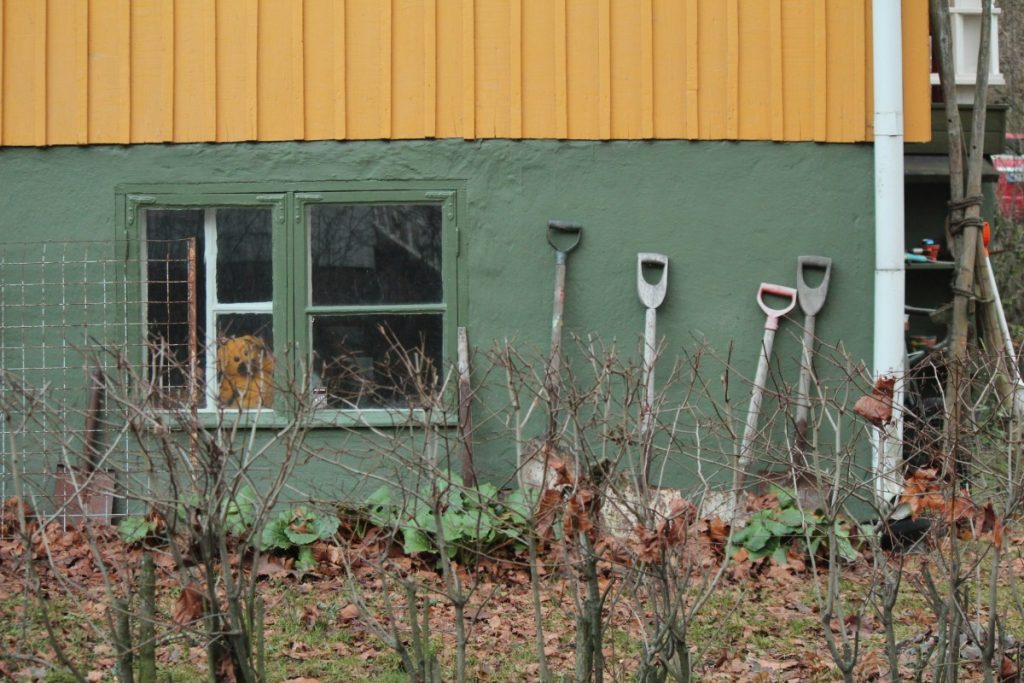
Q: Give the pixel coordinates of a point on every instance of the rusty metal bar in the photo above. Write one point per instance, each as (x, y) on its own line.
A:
(193, 356)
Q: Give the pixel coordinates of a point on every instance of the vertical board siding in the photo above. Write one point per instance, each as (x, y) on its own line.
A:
(493, 68)
(152, 70)
(583, 68)
(669, 65)
(539, 72)
(917, 65)
(236, 74)
(24, 86)
(320, 33)
(109, 23)
(67, 74)
(195, 70)
(124, 71)
(280, 97)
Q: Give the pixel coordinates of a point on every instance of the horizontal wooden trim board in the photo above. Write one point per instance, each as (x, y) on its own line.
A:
(136, 71)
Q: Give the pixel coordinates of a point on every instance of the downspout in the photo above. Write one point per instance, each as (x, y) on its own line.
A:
(889, 345)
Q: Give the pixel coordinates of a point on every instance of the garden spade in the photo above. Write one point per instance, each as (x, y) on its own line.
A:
(811, 301)
(533, 470)
(651, 296)
(771, 324)
(563, 238)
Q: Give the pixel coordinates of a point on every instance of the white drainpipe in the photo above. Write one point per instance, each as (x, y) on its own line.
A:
(889, 345)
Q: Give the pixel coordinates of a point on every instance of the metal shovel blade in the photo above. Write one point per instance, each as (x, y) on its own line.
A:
(651, 295)
(812, 298)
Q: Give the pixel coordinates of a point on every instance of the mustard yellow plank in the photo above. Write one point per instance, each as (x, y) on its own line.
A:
(408, 88)
(732, 68)
(387, 80)
(604, 61)
(798, 70)
(338, 59)
(646, 69)
(712, 68)
(67, 73)
(669, 67)
(777, 104)
(846, 84)
(109, 71)
(755, 74)
(237, 58)
(515, 68)
(468, 69)
(449, 100)
(429, 59)
(195, 71)
(279, 79)
(820, 84)
(25, 64)
(539, 69)
(152, 71)
(583, 69)
(318, 68)
(561, 122)
(917, 117)
(869, 86)
(407, 82)
(492, 66)
(627, 89)
(364, 68)
(692, 69)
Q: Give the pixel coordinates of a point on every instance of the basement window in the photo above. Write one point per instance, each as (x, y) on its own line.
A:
(340, 299)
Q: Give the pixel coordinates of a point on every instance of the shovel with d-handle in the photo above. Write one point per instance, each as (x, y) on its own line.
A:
(563, 238)
(771, 324)
(651, 296)
(811, 301)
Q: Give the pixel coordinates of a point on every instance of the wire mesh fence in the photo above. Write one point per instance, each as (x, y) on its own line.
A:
(74, 318)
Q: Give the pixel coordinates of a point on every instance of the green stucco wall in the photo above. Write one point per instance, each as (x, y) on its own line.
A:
(729, 216)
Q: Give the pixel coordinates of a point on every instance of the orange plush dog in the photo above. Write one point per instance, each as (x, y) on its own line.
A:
(246, 369)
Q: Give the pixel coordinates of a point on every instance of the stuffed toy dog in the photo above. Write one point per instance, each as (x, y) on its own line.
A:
(246, 369)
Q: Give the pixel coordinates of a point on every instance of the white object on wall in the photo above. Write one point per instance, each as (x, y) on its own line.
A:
(965, 22)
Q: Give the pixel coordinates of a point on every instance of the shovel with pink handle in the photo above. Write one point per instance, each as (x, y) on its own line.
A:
(771, 324)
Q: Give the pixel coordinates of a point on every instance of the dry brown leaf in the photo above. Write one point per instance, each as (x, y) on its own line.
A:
(189, 607)
(348, 613)
(1008, 671)
(270, 565)
(876, 408)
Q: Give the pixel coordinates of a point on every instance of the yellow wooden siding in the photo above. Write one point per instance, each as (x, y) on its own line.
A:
(127, 71)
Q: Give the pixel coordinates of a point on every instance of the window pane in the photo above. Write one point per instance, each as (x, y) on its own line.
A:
(244, 253)
(245, 360)
(375, 254)
(363, 360)
(167, 304)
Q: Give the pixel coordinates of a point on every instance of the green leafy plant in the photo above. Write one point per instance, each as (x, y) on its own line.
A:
(241, 511)
(296, 530)
(771, 532)
(135, 529)
(473, 520)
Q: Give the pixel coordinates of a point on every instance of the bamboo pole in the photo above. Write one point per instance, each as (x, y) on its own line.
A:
(964, 221)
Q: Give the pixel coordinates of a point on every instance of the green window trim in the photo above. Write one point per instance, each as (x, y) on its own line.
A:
(292, 309)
